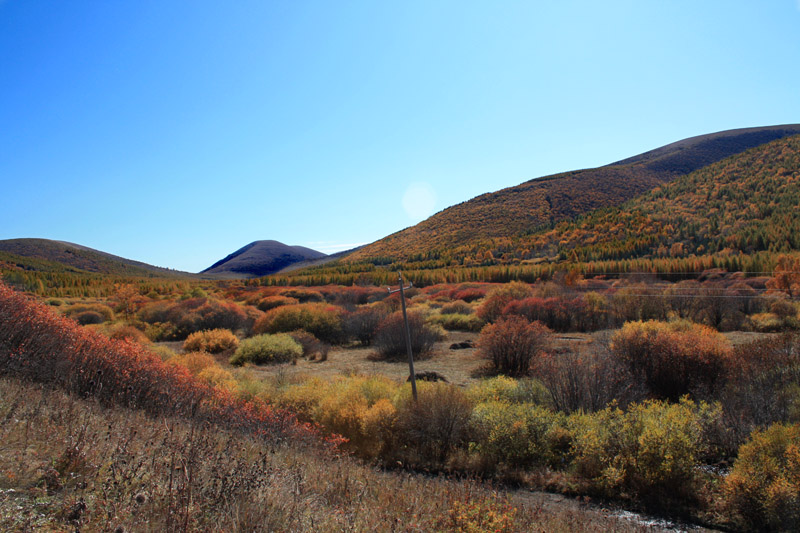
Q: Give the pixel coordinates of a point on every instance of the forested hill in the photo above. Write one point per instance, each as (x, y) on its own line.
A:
(541, 202)
(47, 255)
(746, 203)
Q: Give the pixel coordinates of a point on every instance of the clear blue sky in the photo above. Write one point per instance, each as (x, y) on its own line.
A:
(176, 132)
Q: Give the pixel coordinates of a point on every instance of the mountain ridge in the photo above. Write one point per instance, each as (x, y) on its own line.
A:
(550, 199)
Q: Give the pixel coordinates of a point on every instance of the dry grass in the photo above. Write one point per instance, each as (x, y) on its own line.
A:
(68, 464)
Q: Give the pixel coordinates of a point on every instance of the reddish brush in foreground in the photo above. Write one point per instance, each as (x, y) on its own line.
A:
(37, 345)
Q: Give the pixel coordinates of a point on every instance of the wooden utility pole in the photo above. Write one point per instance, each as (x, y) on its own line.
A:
(401, 290)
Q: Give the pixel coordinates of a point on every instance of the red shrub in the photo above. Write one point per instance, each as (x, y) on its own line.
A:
(512, 343)
(37, 345)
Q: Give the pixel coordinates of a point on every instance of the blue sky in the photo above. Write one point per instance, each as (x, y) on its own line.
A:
(176, 132)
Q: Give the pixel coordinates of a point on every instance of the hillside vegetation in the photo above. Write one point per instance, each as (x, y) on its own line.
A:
(548, 200)
(736, 214)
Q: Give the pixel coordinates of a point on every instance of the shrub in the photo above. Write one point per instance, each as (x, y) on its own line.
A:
(191, 315)
(362, 323)
(218, 377)
(650, 451)
(323, 321)
(519, 434)
(763, 488)
(491, 309)
(90, 313)
(130, 333)
(195, 362)
(267, 349)
(585, 381)
(459, 322)
(509, 390)
(436, 424)
(468, 294)
(458, 307)
(390, 338)
(512, 343)
(359, 409)
(303, 295)
(313, 348)
(761, 387)
(271, 302)
(673, 359)
(211, 341)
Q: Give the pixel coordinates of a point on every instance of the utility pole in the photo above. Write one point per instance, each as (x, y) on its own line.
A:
(408, 333)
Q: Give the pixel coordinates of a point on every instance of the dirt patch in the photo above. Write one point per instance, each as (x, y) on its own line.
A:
(458, 366)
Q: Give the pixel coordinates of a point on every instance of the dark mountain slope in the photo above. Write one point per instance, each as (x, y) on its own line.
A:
(542, 202)
(49, 255)
(260, 258)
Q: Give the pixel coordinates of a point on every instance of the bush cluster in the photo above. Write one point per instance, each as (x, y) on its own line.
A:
(512, 343)
(321, 320)
(211, 341)
(673, 358)
(390, 337)
(267, 349)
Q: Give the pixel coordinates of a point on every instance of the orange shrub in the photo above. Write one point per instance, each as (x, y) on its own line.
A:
(211, 341)
(675, 358)
(512, 343)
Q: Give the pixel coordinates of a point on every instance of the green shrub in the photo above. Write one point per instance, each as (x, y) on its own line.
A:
(323, 321)
(211, 341)
(762, 490)
(267, 349)
(650, 451)
(509, 390)
(519, 434)
(458, 307)
(459, 322)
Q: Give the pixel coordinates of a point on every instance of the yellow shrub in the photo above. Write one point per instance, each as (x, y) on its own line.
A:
(652, 449)
(211, 341)
(763, 488)
(218, 377)
(196, 362)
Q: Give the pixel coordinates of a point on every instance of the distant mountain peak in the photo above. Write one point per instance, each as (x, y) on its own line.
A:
(260, 258)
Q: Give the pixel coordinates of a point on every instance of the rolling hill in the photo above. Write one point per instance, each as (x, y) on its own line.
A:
(543, 202)
(261, 258)
(58, 256)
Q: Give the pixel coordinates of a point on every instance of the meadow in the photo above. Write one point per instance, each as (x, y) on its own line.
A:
(679, 399)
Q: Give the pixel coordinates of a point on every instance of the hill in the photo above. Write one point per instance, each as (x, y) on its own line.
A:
(261, 258)
(545, 201)
(741, 205)
(44, 255)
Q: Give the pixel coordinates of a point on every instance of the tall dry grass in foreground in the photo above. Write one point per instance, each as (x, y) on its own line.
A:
(69, 464)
